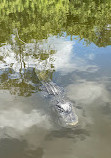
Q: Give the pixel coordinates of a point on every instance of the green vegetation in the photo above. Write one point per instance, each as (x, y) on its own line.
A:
(37, 19)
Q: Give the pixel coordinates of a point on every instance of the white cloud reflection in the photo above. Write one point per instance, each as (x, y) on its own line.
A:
(61, 60)
(87, 92)
(20, 120)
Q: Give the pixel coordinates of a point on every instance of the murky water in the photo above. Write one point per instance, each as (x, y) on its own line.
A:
(67, 42)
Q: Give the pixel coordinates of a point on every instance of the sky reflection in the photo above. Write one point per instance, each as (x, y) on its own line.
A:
(64, 59)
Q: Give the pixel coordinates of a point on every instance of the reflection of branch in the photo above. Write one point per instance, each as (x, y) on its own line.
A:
(3, 43)
(19, 37)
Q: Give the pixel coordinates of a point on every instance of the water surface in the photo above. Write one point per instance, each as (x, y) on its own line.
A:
(68, 42)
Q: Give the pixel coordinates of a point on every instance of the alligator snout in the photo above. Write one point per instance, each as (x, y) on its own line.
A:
(67, 113)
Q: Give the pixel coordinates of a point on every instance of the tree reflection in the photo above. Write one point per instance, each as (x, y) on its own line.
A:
(37, 19)
(19, 70)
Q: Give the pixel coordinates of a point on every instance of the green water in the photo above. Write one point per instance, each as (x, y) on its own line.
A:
(68, 42)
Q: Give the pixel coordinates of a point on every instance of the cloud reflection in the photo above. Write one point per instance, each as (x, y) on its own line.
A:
(87, 92)
(65, 59)
(19, 120)
(61, 59)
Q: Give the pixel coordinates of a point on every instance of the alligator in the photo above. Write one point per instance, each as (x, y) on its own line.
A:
(63, 107)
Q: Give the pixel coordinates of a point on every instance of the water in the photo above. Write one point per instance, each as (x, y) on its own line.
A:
(67, 42)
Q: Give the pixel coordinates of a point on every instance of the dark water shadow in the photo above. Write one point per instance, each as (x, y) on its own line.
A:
(11, 148)
(74, 134)
(14, 148)
(38, 153)
(106, 109)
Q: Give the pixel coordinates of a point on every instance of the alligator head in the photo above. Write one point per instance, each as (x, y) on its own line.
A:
(66, 113)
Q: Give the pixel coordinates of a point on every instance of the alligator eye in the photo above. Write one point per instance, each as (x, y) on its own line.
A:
(60, 109)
